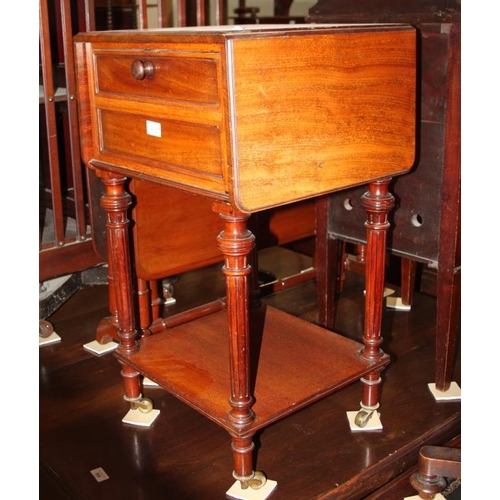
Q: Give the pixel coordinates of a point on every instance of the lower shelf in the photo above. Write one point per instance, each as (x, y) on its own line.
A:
(293, 363)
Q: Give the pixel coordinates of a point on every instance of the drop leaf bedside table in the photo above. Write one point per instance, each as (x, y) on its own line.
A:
(250, 117)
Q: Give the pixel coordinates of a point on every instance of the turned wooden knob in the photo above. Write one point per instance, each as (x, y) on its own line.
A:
(142, 69)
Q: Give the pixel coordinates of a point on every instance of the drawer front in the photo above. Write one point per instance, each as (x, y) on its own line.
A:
(182, 77)
(189, 149)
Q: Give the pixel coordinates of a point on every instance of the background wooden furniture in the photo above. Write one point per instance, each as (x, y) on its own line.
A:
(246, 14)
(426, 221)
(435, 463)
(65, 235)
(136, 124)
(115, 14)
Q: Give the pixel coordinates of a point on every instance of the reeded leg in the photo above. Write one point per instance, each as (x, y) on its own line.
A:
(236, 243)
(377, 202)
(116, 202)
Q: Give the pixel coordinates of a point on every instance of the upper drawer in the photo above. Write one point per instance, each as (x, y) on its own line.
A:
(179, 77)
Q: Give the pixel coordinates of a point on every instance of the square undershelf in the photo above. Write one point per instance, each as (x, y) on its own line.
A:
(293, 363)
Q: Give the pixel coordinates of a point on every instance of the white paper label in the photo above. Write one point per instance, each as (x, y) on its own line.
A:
(153, 128)
(99, 474)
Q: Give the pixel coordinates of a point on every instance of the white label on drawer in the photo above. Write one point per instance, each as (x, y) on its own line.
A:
(153, 128)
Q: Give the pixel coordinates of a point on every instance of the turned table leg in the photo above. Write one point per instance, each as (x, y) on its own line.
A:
(236, 243)
(116, 202)
(377, 202)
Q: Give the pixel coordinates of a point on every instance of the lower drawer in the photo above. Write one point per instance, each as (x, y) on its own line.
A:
(189, 148)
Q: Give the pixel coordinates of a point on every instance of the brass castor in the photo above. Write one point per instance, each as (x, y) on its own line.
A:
(362, 417)
(144, 405)
(256, 481)
(45, 329)
(259, 479)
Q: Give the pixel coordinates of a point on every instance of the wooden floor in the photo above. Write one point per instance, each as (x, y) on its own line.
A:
(312, 454)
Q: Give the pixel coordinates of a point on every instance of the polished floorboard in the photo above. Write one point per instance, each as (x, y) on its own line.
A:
(312, 454)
